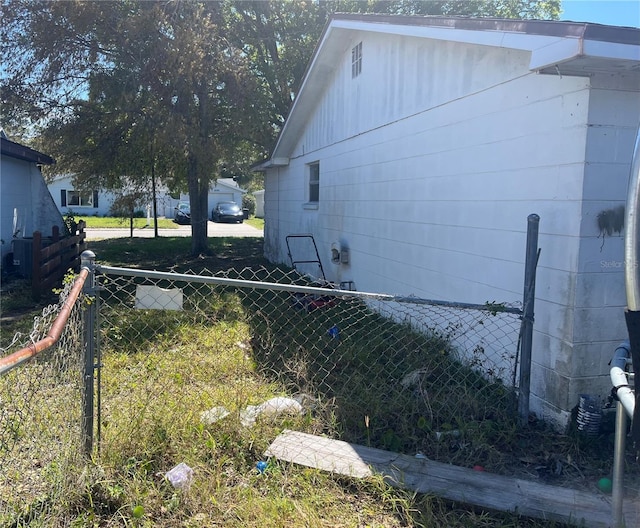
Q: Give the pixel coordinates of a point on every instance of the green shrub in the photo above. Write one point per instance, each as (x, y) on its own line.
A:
(249, 202)
(70, 222)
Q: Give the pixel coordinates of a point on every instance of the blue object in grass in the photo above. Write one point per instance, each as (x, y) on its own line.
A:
(261, 466)
(334, 332)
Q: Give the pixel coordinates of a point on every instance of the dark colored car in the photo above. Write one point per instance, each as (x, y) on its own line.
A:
(227, 212)
(183, 214)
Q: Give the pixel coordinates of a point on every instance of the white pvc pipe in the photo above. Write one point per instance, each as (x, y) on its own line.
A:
(620, 380)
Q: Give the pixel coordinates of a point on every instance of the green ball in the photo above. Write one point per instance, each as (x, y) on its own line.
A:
(605, 485)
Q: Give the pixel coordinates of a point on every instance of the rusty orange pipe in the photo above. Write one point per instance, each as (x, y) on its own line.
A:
(12, 360)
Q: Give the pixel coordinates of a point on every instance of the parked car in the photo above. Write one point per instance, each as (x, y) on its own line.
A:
(182, 214)
(227, 212)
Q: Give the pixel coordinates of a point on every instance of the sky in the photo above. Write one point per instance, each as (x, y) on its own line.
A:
(612, 12)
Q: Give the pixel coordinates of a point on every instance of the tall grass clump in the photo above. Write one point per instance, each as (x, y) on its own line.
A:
(160, 372)
(390, 386)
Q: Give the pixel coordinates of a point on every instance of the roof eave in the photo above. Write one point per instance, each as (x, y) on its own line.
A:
(585, 57)
(270, 164)
(21, 152)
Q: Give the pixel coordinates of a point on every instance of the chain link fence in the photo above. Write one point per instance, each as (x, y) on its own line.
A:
(398, 373)
(177, 355)
(41, 414)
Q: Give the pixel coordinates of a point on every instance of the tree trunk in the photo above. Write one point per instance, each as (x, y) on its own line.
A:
(153, 194)
(198, 202)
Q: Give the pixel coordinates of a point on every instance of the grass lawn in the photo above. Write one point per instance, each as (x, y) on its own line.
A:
(105, 222)
(258, 223)
(162, 369)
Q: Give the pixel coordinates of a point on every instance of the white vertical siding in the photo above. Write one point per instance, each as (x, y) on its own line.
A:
(402, 76)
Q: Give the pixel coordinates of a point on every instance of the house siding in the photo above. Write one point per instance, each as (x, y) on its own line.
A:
(24, 191)
(597, 292)
(454, 181)
(430, 163)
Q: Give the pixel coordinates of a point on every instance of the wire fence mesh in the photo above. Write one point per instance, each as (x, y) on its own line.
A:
(40, 419)
(179, 354)
(402, 374)
(218, 369)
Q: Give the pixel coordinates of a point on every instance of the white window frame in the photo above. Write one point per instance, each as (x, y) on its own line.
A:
(313, 179)
(79, 199)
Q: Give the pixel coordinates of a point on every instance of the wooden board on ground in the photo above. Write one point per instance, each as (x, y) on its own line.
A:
(479, 488)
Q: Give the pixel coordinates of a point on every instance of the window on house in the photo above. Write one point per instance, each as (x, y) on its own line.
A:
(78, 199)
(314, 182)
(356, 60)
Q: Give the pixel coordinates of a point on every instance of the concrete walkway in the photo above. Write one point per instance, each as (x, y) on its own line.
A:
(213, 230)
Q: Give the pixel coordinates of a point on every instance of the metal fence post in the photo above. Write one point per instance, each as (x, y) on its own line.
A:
(88, 259)
(533, 221)
(617, 492)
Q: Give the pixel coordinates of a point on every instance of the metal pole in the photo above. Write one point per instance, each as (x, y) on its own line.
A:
(632, 279)
(632, 233)
(88, 259)
(533, 221)
(618, 465)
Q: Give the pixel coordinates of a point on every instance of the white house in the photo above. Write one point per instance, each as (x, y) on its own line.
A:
(97, 202)
(422, 144)
(222, 190)
(68, 199)
(26, 205)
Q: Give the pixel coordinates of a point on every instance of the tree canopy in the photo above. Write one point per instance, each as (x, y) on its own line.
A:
(122, 90)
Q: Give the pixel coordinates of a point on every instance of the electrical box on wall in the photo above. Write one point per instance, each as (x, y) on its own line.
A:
(339, 255)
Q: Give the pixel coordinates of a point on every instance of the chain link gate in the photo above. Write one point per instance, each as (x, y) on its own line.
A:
(379, 370)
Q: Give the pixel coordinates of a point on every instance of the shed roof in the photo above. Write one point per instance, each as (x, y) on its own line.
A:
(566, 48)
(21, 152)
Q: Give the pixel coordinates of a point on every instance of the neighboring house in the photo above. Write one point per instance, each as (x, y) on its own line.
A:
(26, 205)
(222, 190)
(422, 144)
(68, 199)
(99, 202)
